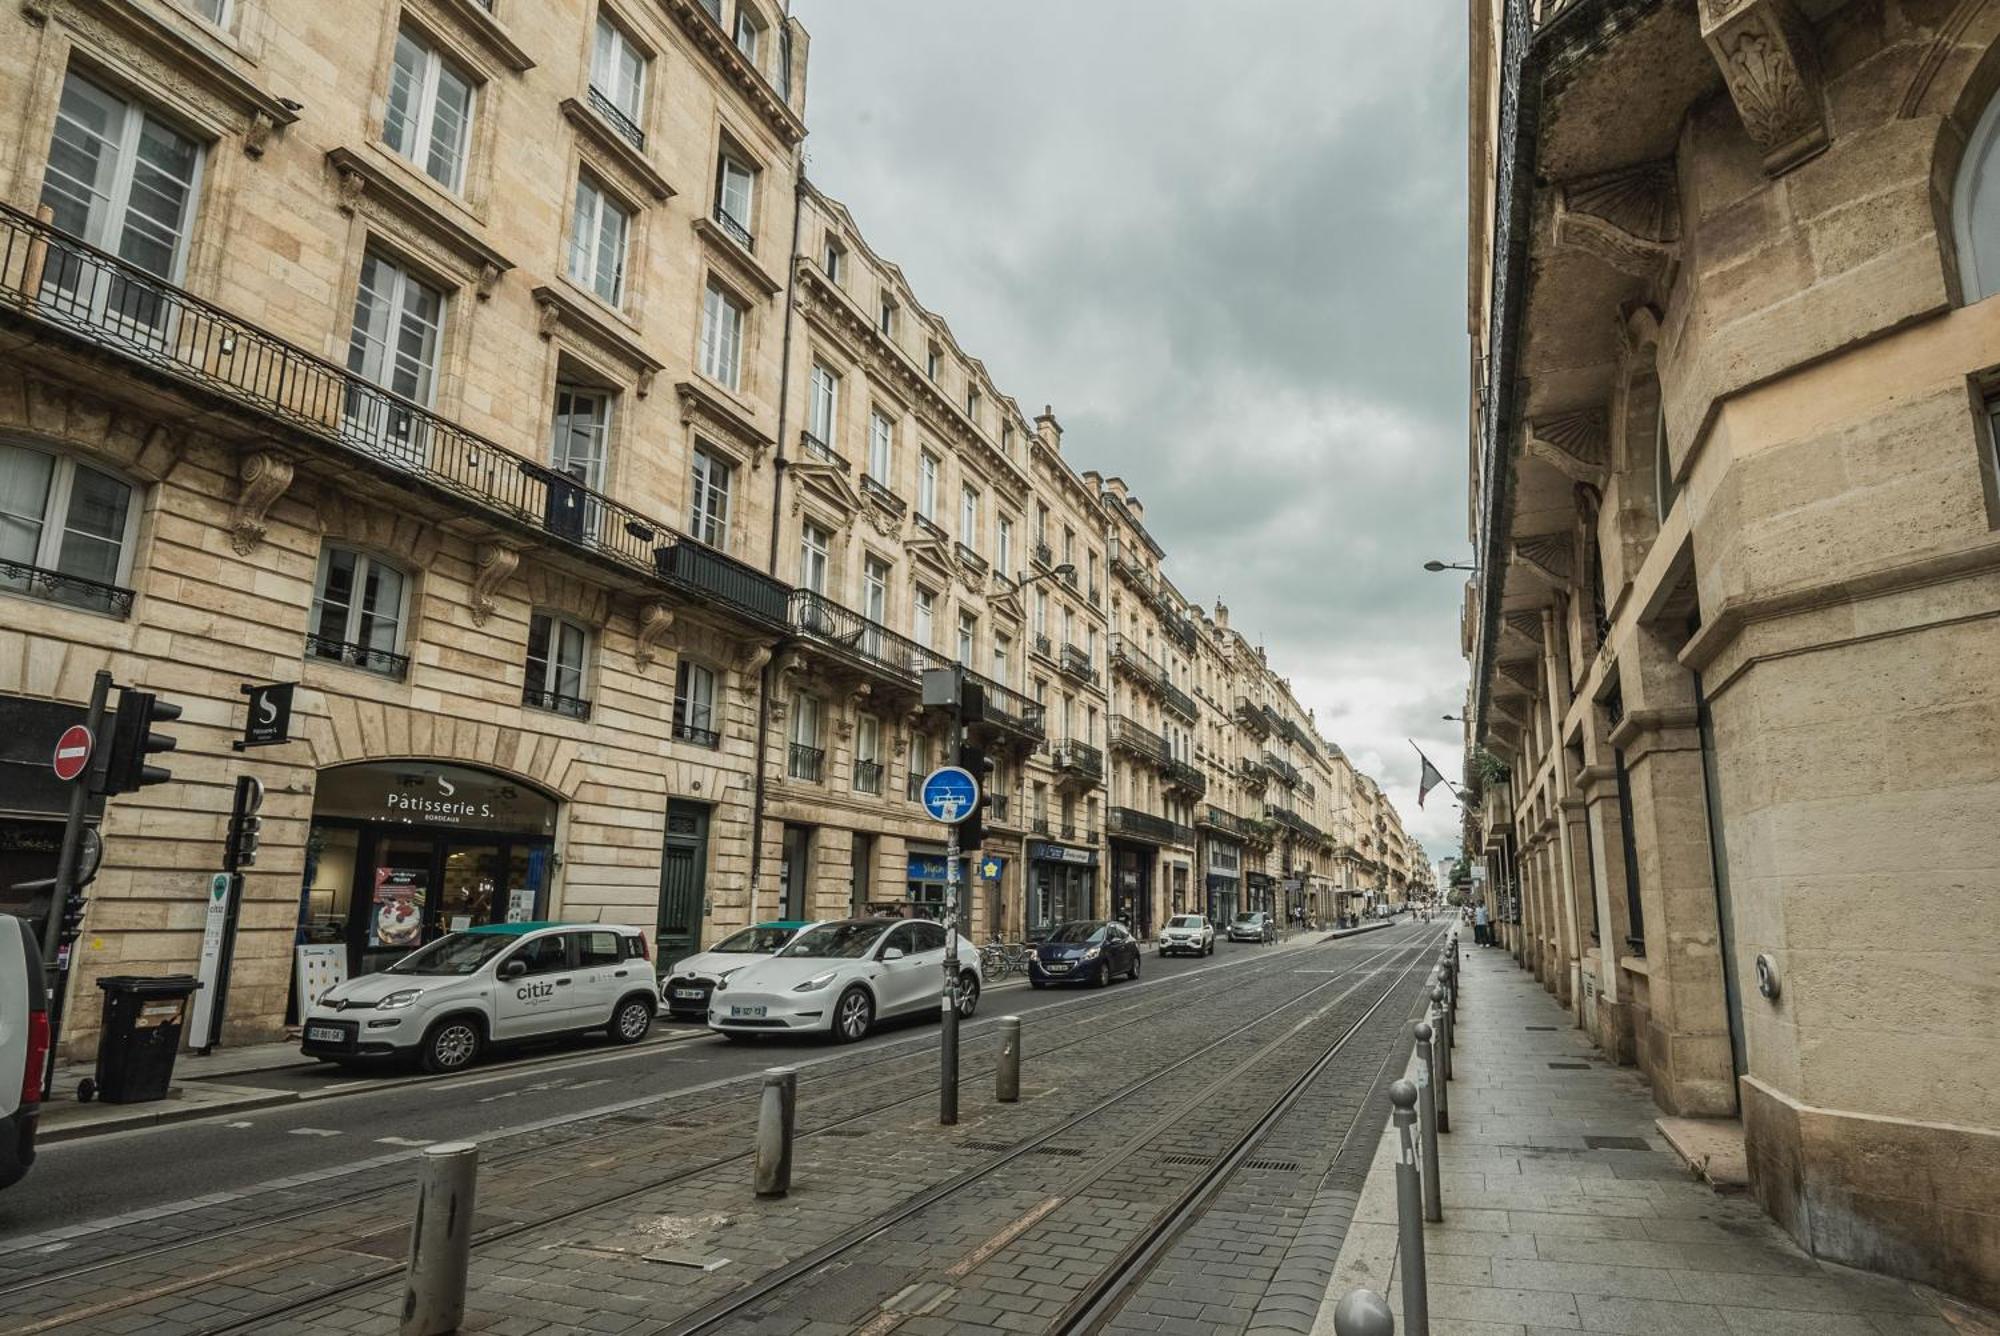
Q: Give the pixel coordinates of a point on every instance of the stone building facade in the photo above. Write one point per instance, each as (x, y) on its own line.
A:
(1734, 631)
(492, 374)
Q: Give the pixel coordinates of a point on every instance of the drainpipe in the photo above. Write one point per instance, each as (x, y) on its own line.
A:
(757, 792)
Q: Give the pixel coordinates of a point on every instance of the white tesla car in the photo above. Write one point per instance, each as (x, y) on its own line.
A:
(843, 976)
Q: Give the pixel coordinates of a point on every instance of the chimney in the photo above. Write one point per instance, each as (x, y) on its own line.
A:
(1132, 504)
(1049, 429)
(1260, 655)
(1093, 480)
(1222, 614)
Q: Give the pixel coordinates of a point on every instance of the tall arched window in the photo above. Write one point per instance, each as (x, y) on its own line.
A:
(1975, 208)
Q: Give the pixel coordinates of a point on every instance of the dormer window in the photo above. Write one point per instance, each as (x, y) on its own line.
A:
(886, 321)
(749, 33)
(933, 361)
(834, 261)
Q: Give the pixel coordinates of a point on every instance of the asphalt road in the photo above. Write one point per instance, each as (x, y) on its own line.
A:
(75, 1182)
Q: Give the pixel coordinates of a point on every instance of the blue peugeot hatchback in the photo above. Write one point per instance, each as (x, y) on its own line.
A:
(1084, 951)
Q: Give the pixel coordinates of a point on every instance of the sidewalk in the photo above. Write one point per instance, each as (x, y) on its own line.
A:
(1566, 1211)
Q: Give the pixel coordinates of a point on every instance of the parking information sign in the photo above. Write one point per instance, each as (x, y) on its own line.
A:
(950, 794)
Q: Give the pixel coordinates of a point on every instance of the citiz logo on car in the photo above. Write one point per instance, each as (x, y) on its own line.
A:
(534, 992)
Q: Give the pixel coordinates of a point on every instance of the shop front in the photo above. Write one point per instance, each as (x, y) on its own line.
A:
(1132, 886)
(1062, 885)
(1224, 883)
(401, 852)
(924, 893)
(33, 802)
(1257, 893)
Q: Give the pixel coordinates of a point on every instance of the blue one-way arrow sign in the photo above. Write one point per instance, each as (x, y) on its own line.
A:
(950, 794)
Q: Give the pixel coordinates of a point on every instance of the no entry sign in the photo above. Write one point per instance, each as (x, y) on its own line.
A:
(72, 752)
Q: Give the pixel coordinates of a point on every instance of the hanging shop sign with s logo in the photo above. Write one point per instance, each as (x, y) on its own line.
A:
(269, 721)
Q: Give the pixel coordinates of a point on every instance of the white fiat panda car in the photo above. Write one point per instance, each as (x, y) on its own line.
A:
(496, 984)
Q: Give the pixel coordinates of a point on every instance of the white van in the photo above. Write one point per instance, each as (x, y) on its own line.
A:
(24, 1045)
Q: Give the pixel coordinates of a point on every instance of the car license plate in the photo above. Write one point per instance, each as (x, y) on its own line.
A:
(691, 994)
(748, 1013)
(325, 1034)
(1058, 968)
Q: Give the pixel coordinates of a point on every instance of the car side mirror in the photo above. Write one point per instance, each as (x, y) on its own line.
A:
(513, 969)
(892, 953)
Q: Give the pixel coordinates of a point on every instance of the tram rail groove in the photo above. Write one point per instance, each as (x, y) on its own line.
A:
(1088, 1026)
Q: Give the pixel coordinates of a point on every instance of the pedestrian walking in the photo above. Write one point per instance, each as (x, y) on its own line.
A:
(1482, 931)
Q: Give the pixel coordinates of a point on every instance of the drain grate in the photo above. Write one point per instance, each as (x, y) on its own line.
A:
(1187, 1159)
(1570, 1066)
(1067, 1152)
(1545, 1029)
(1287, 1166)
(1616, 1143)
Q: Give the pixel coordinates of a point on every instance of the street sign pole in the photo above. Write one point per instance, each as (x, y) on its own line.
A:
(948, 1048)
(56, 953)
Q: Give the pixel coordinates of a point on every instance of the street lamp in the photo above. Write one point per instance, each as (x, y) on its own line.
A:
(1455, 719)
(1066, 571)
(1435, 566)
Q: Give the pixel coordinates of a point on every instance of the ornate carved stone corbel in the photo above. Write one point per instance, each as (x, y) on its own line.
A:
(747, 669)
(654, 621)
(351, 186)
(1769, 57)
(489, 278)
(1629, 217)
(493, 563)
(257, 134)
(1577, 444)
(548, 319)
(263, 477)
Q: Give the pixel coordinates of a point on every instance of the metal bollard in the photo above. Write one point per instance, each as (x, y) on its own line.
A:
(776, 1111)
(1427, 1132)
(1409, 1220)
(1441, 1009)
(1007, 1076)
(440, 1240)
(1363, 1313)
(1440, 1069)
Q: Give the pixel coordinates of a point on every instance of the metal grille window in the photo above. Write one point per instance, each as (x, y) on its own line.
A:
(124, 181)
(1003, 666)
(554, 679)
(721, 337)
(599, 230)
(813, 542)
(735, 196)
(358, 611)
(868, 754)
(582, 436)
(881, 447)
(708, 510)
(823, 407)
(694, 705)
(65, 530)
(806, 754)
(618, 71)
(429, 118)
(398, 326)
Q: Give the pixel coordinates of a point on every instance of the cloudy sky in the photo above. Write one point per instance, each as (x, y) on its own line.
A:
(1227, 242)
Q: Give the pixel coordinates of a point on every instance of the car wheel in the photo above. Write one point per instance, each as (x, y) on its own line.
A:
(1135, 966)
(968, 994)
(451, 1045)
(1102, 979)
(631, 1022)
(853, 1015)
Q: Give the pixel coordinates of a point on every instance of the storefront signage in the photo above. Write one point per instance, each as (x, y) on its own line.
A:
(208, 968)
(1062, 853)
(927, 867)
(416, 793)
(396, 919)
(268, 721)
(991, 868)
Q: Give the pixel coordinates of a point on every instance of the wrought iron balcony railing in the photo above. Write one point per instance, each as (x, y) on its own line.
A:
(931, 528)
(816, 449)
(913, 786)
(1253, 772)
(1079, 759)
(1282, 768)
(999, 811)
(1251, 716)
(1178, 701)
(867, 776)
(1077, 664)
(1134, 824)
(58, 281)
(700, 737)
(806, 762)
(1138, 739)
(365, 657)
(1043, 647)
(627, 128)
(1186, 778)
(880, 491)
(1180, 629)
(556, 703)
(1140, 577)
(74, 591)
(971, 559)
(1226, 822)
(1045, 555)
(1139, 665)
(735, 230)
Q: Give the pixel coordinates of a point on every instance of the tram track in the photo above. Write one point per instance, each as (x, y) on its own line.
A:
(1068, 1028)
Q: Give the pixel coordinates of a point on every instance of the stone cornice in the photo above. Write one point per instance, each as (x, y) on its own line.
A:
(701, 404)
(630, 160)
(471, 19)
(560, 308)
(748, 80)
(362, 179)
(735, 258)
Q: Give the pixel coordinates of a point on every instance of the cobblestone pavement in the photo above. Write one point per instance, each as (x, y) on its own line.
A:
(648, 1187)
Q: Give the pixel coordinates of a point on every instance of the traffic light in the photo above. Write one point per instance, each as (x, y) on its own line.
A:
(973, 759)
(240, 850)
(74, 906)
(132, 741)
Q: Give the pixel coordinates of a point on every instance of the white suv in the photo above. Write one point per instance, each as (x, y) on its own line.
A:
(1189, 933)
(24, 1045)
(490, 985)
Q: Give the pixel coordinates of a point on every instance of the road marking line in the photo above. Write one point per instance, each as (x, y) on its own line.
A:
(314, 1132)
(402, 1141)
(239, 1124)
(1006, 1236)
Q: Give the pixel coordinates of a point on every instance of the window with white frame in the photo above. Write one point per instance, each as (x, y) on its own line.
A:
(927, 485)
(806, 754)
(735, 195)
(1003, 546)
(823, 403)
(886, 318)
(874, 602)
(66, 530)
(714, 8)
(215, 11)
(429, 116)
(398, 328)
(708, 499)
(972, 404)
(834, 259)
(358, 612)
(968, 632)
(124, 180)
(1007, 438)
(721, 337)
(867, 754)
(580, 443)
(968, 517)
(600, 228)
(881, 447)
(1041, 612)
(749, 32)
(694, 704)
(813, 544)
(554, 679)
(618, 74)
(933, 361)
(1003, 655)
(923, 623)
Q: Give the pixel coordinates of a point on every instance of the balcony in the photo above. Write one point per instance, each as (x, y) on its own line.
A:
(54, 281)
(1043, 647)
(879, 492)
(702, 570)
(806, 763)
(1139, 740)
(1039, 825)
(1251, 716)
(735, 230)
(627, 129)
(1138, 665)
(1132, 824)
(1096, 597)
(1077, 664)
(1186, 779)
(859, 640)
(930, 528)
(913, 785)
(1000, 810)
(1227, 823)
(1253, 773)
(1293, 822)
(73, 591)
(555, 703)
(971, 560)
(694, 733)
(1080, 761)
(364, 657)
(818, 451)
(867, 776)
(1180, 629)
(1283, 769)
(1178, 701)
(1045, 556)
(1135, 574)
(1006, 708)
